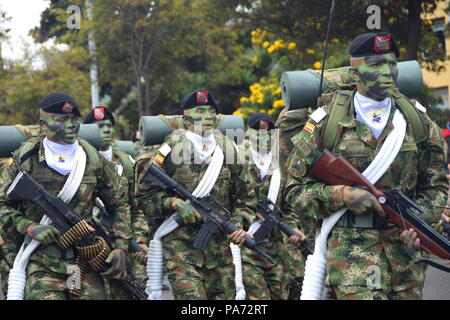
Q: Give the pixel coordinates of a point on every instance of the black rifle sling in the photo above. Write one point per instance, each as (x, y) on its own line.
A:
(29, 153)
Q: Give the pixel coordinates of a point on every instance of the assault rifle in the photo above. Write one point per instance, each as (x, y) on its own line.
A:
(271, 221)
(213, 220)
(400, 210)
(93, 246)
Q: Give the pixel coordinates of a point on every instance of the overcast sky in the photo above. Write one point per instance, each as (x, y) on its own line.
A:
(25, 15)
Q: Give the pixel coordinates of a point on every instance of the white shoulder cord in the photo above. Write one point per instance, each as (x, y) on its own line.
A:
(17, 275)
(315, 267)
(274, 188)
(155, 260)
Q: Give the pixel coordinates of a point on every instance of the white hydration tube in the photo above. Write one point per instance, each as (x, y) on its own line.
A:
(315, 266)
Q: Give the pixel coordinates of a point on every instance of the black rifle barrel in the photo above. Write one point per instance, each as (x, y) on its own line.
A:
(158, 177)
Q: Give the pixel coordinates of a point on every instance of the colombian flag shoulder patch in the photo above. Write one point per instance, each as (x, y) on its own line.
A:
(309, 127)
(159, 158)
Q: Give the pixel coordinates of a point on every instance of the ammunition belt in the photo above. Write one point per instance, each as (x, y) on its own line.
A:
(95, 255)
(71, 236)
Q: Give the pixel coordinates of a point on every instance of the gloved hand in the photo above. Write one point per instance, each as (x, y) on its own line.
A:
(361, 201)
(186, 212)
(118, 269)
(43, 233)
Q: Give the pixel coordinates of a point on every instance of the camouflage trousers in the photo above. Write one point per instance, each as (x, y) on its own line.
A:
(295, 270)
(191, 282)
(370, 264)
(4, 268)
(139, 269)
(262, 279)
(49, 281)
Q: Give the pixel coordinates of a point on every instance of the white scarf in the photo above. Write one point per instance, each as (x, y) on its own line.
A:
(61, 157)
(108, 154)
(262, 161)
(203, 146)
(372, 113)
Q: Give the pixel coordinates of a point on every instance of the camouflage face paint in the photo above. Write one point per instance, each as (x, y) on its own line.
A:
(204, 115)
(376, 75)
(61, 128)
(106, 133)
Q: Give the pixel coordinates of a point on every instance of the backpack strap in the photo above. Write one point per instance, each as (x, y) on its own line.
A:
(93, 156)
(26, 150)
(412, 114)
(338, 111)
(127, 164)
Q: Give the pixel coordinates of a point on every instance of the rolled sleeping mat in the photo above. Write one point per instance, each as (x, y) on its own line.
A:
(12, 136)
(155, 129)
(10, 139)
(300, 89)
(91, 134)
(126, 146)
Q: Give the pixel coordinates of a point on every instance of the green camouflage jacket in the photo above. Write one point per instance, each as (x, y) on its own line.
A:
(233, 189)
(125, 167)
(418, 169)
(101, 181)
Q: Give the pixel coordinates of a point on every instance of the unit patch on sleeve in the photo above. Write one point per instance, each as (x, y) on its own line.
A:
(309, 127)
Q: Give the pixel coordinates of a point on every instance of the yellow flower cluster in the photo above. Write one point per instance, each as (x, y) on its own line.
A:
(258, 35)
(317, 65)
(279, 44)
(278, 104)
(265, 96)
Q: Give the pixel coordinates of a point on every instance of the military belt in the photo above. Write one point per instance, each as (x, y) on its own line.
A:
(53, 250)
(363, 221)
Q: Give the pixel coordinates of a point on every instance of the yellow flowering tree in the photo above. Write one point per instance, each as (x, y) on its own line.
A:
(270, 56)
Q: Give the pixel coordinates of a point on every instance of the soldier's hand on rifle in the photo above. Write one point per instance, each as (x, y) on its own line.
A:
(410, 239)
(361, 201)
(237, 237)
(142, 256)
(43, 233)
(186, 211)
(296, 239)
(118, 269)
(2, 242)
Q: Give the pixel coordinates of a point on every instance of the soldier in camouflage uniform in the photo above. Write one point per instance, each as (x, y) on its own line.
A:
(8, 247)
(49, 265)
(192, 273)
(362, 244)
(288, 124)
(124, 164)
(262, 279)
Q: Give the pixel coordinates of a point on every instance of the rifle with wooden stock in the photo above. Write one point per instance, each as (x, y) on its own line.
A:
(400, 210)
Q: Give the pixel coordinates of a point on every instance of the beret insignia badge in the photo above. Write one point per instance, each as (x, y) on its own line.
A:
(382, 43)
(99, 113)
(67, 107)
(201, 97)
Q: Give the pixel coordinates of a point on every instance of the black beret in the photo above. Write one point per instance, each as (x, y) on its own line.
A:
(59, 102)
(198, 98)
(99, 114)
(369, 44)
(254, 119)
